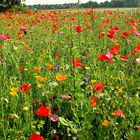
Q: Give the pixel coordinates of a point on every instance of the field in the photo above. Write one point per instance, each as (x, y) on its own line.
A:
(70, 75)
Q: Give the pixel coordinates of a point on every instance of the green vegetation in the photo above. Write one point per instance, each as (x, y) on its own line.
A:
(70, 75)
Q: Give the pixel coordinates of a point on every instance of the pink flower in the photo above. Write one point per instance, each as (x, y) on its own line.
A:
(54, 118)
(137, 33)
(109, 54)
(4, 37)
(23, 28)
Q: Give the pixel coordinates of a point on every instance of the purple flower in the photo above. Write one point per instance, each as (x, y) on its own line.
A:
(85, 79)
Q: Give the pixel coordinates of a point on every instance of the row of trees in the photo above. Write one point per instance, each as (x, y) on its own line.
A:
(106, 4)
(6, 4)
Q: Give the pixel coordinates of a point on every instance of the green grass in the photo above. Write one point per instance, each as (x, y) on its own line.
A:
(51, 32)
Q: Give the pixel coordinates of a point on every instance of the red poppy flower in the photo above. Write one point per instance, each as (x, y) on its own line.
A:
(36, 137)
(77, 62)
(78, 29)
(43, 111)
(55, 27)
(116, 28)
(137, 128)
(125, 58)
(118, 113)
(136, 50)
(101, 35)
(103, 57)
(57, 54)
(122, 37)
(21, 69)
(25, 87)
(93, 102)
(115, 49)
(126, 34)
(135, 25)
(23, 28)
(111, 34)
(4, 37)
(98, 86)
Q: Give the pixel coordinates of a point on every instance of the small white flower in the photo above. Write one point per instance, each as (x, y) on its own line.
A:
(138, 60)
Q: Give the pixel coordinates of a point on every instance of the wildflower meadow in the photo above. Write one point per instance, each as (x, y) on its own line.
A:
(70, 75)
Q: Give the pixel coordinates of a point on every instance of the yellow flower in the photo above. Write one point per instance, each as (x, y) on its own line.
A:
(13, 91)
(119, 89)
(26, 69)
(50, 66)
(105, 123)
(40, 86)
(138, 88)
(25, 109)
(13, 116)
(61, 78)
(41, 79)
(93, 81)
(115, 42)
(118, 56)
(87, 68)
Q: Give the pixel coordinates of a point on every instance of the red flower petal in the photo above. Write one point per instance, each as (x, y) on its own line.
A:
(36, 137)
(43, 111)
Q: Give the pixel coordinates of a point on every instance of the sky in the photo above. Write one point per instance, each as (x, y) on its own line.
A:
(32, 2)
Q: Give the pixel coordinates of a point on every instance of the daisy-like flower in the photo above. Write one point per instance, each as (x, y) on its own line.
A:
(50, 66)
(40, 78)
(37, 69)
(105, 123)
(61, 78)
(13, 91)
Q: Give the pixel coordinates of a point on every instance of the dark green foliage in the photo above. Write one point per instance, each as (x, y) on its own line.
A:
(7, 4)
(91, 4)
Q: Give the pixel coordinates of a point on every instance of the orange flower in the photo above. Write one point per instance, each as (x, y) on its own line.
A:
(50, 66)
(105, 123)
(37, 69)
(118, 113)
(41, 79)
(93, 102)
(115, 49)
(61, 78)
